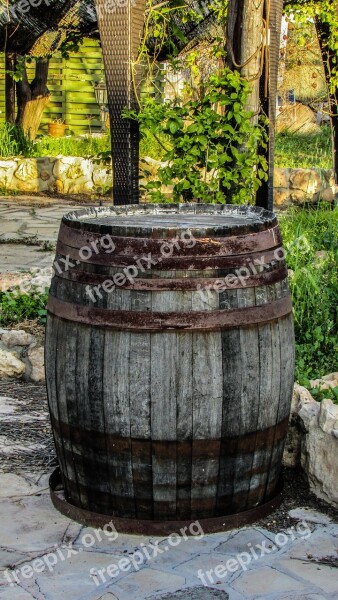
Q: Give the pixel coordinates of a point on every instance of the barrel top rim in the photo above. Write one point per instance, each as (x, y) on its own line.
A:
(146, 219)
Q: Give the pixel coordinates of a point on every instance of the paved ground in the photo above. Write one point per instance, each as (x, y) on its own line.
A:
(45, 556)
(35, 220)
(52, 558)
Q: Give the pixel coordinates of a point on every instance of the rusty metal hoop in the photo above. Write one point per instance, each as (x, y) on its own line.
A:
(148, 527)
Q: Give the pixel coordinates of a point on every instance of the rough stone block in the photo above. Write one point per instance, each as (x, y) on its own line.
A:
(308, 181)
(36, 357)
(10, 365)
(17, 337)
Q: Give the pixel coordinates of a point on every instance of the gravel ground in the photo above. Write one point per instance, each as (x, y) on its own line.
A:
(37, 434)
(29, 442)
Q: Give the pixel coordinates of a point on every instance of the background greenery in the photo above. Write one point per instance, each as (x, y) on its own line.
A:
(292, 150)
(310, 239)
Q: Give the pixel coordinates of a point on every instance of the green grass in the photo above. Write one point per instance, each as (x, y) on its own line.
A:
(13, 141)
(314, 286)
(304, 151)
(292, 151)
(90, 146)
(71, 146)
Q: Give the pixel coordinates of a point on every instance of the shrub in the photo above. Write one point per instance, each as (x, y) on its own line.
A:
(16, 307)
(213, 145)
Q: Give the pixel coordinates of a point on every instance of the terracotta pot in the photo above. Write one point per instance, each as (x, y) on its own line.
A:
(57, 130)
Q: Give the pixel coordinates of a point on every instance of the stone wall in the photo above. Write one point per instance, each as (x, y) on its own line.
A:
(75, 175)
(294, 186)
(62, 175)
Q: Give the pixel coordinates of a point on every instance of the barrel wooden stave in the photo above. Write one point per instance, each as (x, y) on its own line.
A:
(176, 424)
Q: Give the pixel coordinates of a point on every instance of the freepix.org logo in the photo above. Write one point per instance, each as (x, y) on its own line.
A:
(112, 6)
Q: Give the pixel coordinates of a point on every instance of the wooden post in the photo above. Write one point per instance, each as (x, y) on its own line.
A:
(121, 28)
(329, 63)
(273, 13)
(245, 28)
(257, 60)
(10, 87)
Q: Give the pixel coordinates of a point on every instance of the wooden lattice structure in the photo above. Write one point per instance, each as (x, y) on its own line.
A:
(120, 33)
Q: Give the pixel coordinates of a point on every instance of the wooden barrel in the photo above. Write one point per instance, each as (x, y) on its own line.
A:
(169, 359)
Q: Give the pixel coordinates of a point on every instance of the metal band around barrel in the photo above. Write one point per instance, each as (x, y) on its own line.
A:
(175, 261)
(159, 321)
(158, 284)
(148, 527)
(213, 246)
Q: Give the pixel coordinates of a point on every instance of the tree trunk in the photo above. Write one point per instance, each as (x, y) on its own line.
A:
(329, 62)
(273, 13)
(10, 87)
(244, 42)
(254, 51)
(32, 98)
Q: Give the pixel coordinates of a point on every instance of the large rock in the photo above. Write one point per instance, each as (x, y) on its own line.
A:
(45, 170)
(312, 442)
(328, 416)
(102, 176)
(319, 457)
(328, 194)
(328, 381)
(26, 176)
(73, 175)
(297, 118)
(308, 181)
(16, 338)
(10, 365)
(281, 178)
(7, 168)
(36, 357)
(281, 196)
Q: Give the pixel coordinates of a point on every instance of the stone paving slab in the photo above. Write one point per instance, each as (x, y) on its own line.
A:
(22, 221)
(40, 221)
(196, 594)
(55, 558)
(18, 257)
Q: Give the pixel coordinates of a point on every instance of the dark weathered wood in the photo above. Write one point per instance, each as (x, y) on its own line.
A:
(116, 402)
(163, 412)
(268, 398)
(249, 407)
(207, 410)
(65, 367)
(184, 412)
(172, 423)
(140, 412)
